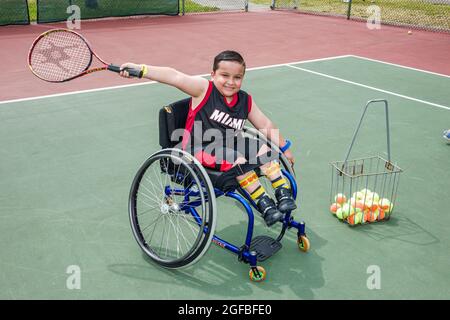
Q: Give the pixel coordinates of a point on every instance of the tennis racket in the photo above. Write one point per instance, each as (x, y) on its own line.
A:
(60, 55)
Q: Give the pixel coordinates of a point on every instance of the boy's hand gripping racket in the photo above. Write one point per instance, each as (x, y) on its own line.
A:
(60, 55)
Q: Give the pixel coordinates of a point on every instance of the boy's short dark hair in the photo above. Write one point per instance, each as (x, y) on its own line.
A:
(228, 55)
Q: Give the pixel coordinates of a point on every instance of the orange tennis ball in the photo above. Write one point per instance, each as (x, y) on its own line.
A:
(370, 204)
(334, 207)
(369, 216)
(340, 198)
(356, 218)
(359, 205)
(381, 214)
(386, 205)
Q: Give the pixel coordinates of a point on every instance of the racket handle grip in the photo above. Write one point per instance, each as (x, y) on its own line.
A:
(132, 72)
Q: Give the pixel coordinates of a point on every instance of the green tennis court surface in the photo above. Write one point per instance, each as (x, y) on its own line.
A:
(67, 163)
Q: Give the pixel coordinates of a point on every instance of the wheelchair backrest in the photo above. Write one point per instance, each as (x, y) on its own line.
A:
(172, 117)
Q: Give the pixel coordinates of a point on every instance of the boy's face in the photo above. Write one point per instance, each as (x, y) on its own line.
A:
(228, 77)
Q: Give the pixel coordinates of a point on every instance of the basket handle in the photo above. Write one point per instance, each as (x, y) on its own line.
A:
(359, 125)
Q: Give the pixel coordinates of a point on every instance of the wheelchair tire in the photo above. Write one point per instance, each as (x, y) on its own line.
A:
(167, 226)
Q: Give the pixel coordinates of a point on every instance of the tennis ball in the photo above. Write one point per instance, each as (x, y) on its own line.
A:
(368, 216)
(370, 204)
(334, 207)
(357, 204)
(375, 214)
(381, 214)
(386, 205)
(358, 195)
(347, 210)
(356, 218)
(340, 198)
(339, 214)
(375, 197)
(409, 32)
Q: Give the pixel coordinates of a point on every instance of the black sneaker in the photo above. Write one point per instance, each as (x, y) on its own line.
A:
(285, 200)
(269, 210)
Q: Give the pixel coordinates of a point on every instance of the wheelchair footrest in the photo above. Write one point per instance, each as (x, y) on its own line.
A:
(265, 247)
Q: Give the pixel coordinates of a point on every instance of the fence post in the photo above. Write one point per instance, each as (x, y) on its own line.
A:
(349, 9)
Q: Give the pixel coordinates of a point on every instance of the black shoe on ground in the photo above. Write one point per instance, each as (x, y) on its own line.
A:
(269, 210)
(285, 200)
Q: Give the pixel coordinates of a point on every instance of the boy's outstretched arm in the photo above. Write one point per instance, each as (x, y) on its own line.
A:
(261, 122)
(194, 86)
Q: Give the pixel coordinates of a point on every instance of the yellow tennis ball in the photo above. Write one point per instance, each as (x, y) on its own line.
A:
(347, 210)
(358, 195)
(339, 214)
(375, 197)
(386, 205)
(409, 32)
(356, 218)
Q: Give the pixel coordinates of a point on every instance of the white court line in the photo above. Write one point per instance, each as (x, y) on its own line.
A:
(372, 88)
(152, 82)
(401, 66)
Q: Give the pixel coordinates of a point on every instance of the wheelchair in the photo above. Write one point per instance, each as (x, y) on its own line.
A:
(172, 204)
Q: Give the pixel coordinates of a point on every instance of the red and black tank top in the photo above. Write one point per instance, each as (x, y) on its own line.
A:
(216, 117)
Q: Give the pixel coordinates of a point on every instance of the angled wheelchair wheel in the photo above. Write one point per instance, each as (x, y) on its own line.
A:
(172, 208)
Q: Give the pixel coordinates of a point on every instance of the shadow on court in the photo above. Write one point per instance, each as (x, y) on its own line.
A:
(399, 228)
(219, 275)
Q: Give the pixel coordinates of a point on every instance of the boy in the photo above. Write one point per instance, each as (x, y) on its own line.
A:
(221, 107)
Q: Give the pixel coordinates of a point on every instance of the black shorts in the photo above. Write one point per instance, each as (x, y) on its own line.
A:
(222, 156)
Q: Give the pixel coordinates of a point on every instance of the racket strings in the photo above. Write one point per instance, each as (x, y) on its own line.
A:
(59, 56)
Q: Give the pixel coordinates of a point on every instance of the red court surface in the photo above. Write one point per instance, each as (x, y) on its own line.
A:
(190, 42)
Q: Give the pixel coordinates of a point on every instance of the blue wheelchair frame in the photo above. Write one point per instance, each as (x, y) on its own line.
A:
(244, 253)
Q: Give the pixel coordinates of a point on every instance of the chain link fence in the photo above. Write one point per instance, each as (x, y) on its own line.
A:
(418, 14)
(14, 12)
(60, 10)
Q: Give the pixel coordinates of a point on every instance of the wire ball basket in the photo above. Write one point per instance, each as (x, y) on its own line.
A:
(364, 190)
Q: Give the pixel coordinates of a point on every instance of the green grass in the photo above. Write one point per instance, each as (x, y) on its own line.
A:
(191, 7)
(413, 12)
(32, 7)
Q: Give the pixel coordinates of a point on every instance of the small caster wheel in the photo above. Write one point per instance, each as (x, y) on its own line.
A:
(303, 243)
(257, 274)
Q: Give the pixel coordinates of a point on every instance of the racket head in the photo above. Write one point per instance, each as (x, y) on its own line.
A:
(59, 55)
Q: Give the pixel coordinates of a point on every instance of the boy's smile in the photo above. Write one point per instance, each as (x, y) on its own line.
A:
(228, 78)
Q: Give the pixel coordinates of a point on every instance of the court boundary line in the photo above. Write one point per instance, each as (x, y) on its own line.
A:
(370, 87)
(152, 82)
(401, 66)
